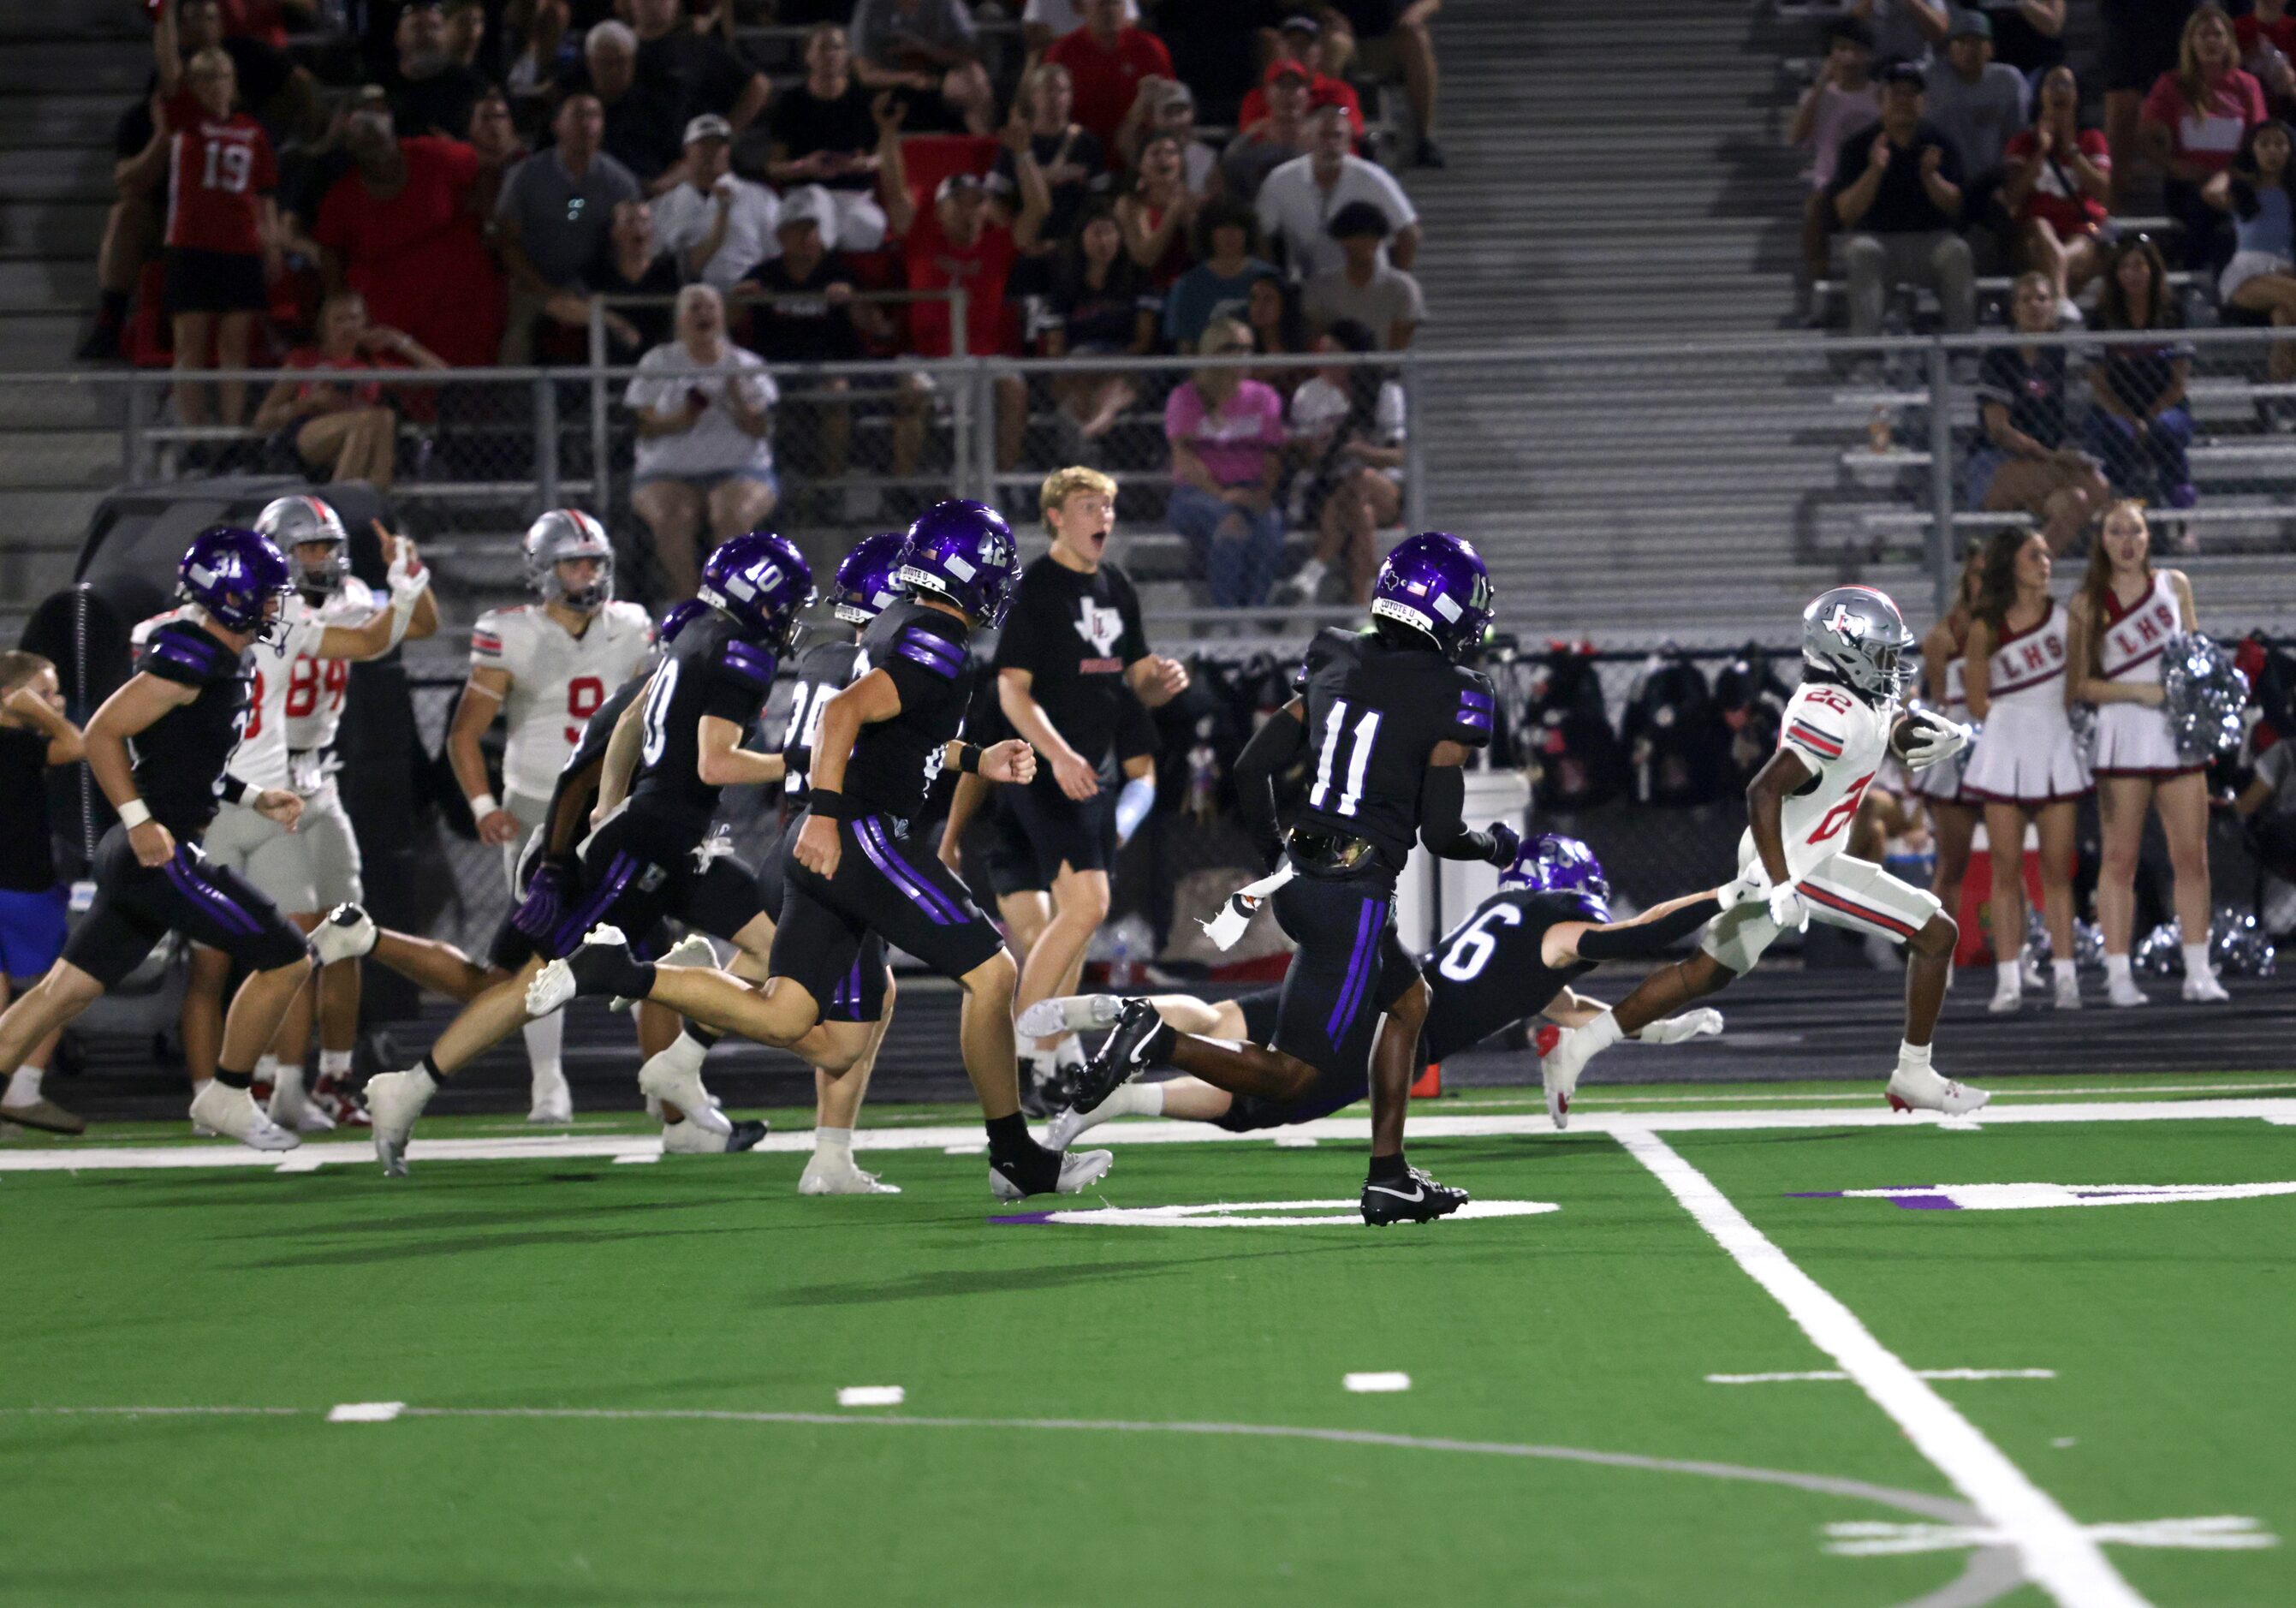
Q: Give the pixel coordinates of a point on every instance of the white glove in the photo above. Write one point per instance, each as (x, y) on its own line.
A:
(1789, 911)
(1751, 888)
(408, 582)
(1934, 738)
(1690, 1024)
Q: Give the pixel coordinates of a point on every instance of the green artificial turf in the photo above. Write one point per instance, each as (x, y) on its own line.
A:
(701, 1285)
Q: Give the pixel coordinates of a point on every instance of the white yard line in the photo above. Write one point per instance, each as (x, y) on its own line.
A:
(1818, 1375)
(2059, 1556)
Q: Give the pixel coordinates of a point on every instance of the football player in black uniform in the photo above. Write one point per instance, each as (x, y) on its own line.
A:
(851, 869)
(651, 856)
(1388, 718)
(1515, 957)
(158, 748)
(1071, 662)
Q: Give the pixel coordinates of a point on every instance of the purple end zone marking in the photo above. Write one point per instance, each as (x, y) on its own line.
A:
(1815, 1194)
(1924, 1202)
(1025, 1216)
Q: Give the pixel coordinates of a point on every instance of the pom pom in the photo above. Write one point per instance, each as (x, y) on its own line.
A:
(2202, 694)
(2237, 948)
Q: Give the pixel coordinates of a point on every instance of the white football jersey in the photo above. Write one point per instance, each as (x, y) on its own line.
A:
(316, 686)
(260, 759)
(1844, 740)
(557, 681)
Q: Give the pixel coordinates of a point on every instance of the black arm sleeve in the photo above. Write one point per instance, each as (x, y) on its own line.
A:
(1271, 751)
(1442, 796)
(1647, 941)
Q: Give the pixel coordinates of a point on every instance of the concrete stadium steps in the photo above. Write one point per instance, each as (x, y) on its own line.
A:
(66, 118)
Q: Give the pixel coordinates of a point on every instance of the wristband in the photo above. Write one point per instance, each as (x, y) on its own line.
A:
(968, 758)
(828, 803)
(402, 614)
(134, 814)
(230, 788)
(482, 805)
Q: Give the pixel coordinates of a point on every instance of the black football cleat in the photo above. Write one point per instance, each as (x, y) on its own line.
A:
(1126, 1052)
(1413, 1198)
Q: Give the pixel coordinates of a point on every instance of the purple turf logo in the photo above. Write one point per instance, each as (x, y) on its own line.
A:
(2032, 1197)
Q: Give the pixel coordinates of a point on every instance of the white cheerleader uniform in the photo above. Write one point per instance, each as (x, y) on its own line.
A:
(2131, 739)
(1941, 783)
(2027, 753)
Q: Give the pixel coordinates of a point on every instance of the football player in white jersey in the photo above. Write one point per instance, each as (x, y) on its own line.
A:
(1840, 726)
(546, 667)
(272, 856)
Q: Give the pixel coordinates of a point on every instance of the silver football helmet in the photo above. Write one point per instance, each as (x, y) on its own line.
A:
(1856, 634)
(293, 522)
(561, 534)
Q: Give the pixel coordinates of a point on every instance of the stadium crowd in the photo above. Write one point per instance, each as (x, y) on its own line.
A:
(470, 183)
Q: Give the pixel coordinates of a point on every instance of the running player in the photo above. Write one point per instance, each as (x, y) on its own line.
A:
(546, 670)
(271, 855)
(159, 748)
(1390, 717)
(674, 750)
(310, 533)
(1516, 956)
(850, 869)
(1840, 724)
(1070, 661)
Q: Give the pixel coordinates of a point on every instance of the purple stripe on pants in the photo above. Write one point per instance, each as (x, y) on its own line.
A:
(223, 907)
(571, 932)
(1351, 992)
(878, 858)
(956, 914)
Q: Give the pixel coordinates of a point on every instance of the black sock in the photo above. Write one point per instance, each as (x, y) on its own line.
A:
(705, 1037)
(231, 1080)
(1389, 1170)
(113, 308)
(611, 968)
(432, 1067)
(1015, 1153)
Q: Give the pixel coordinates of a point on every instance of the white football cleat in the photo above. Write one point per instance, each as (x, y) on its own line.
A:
(231, 1113)
(1925, 1088)
(394, 1100)
(2007, 997)
(837, 1174)
(1078, 1169)
(681, 1087)
(2204, 990)
(295, 1110)
(692, 950)
(2123, 992)
(1559, 1069)
(1070, 1013)
(348, 933)
(551, 1102)
(551, 989)
(2067, 990)
(1061, 1131)
(690, 1138)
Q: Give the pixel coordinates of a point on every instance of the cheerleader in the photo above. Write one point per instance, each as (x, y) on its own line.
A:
(1953, 813)
(2122, 620)
(2027, 765)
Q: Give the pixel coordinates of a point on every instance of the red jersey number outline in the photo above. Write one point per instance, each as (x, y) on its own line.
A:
(1839, 816)
(585, 696)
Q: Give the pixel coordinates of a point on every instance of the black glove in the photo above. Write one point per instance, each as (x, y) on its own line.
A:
(1504, 841)
(538, 914)
(799, 760)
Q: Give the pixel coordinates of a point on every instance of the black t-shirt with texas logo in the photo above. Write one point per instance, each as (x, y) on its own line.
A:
(1076, 635)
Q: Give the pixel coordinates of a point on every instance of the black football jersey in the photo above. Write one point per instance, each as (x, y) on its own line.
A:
(1375, 711)
(896, 761)
(710, 670)
(179, 758)
(1487, 971)
(824, 670)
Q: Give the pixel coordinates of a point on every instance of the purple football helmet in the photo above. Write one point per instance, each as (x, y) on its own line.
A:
(1435, 583)
(963, 553)
(680, 616)
(868, 578)
(1550, 863)
(234, 575)
(760, 581)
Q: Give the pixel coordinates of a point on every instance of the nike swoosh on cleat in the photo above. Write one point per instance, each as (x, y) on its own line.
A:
(1415, 1197)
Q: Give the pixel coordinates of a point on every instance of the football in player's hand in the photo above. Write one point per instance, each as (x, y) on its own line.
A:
(1902, 733)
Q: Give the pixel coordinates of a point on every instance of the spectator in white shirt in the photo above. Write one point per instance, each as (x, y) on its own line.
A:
(720, 224)
(1042, 21)
(704, 411)
(1299, 199)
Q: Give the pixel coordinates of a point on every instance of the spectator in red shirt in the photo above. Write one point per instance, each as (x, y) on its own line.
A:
(955, 243)
(1107, 62)
(403, 228)
(222, 236)
(2057, 182)
(344, 432)
(2267, 42)
(2192, 124)
(266, 20)
(1298, 43)
(1159, 216)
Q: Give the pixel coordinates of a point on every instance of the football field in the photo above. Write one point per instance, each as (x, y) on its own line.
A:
(1711, 1346)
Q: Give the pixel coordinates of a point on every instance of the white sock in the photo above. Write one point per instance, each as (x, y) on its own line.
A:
(1070, 1053)
(2060, 969)
(543, 1039)
(1912, 1057)
(24, 1085)
(1602, 1032)
(424, 1081)
(267, 1069)
(1039, 1065)
(833, 1144)
(685, 1053)
(2011, 980)
(286, 1075)
(1130, 1100)
(2196, 961)
(2116, 967)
